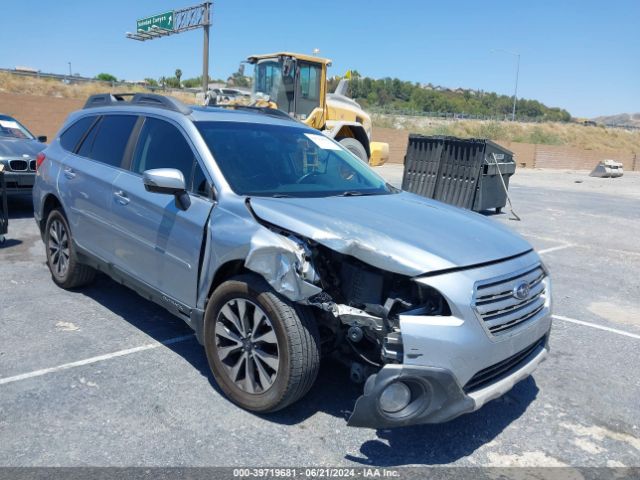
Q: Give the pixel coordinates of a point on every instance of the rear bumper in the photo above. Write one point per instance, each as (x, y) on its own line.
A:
(436, 394)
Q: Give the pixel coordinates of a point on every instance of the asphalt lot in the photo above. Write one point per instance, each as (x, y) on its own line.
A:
(86, 380)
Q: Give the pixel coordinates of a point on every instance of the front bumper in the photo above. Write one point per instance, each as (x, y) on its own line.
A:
(436, 395)
(19, 182)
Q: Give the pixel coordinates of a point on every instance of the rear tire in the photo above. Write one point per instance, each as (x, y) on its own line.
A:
(355, 147)
(263, 350)
(62, 258)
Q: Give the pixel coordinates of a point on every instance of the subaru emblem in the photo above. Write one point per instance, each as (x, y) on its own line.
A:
(521, 291)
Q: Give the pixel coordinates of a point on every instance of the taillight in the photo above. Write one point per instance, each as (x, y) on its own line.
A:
(39, 159)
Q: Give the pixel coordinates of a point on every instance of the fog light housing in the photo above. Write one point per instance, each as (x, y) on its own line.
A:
(395, 397)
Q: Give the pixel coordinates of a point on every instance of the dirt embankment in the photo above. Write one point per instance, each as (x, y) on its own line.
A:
(41, 115)
(43, 104)
(530, 155)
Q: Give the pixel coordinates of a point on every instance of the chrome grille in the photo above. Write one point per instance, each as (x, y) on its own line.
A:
(496, 302)
(18, 165)
(32, 165)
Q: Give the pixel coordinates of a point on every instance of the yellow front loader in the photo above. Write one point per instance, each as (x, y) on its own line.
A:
(297, 84)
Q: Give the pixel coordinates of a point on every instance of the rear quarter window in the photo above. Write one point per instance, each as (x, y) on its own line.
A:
(72, 135)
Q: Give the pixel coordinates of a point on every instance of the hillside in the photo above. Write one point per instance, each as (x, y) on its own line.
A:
(55, 88)
(548, 133)
(623, 119)
(396, 96)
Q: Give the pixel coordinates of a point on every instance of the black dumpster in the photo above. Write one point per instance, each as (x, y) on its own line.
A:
(4, 211)
(460, 172)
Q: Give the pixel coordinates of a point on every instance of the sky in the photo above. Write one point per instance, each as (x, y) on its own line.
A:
(583, 56)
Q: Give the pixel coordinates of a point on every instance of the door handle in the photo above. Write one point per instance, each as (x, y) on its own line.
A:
(121, 197)
(69, 173)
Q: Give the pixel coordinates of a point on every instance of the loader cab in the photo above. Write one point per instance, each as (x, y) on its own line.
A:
(295, 83)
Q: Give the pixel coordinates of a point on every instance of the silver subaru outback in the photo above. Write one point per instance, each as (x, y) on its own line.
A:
(279, 247)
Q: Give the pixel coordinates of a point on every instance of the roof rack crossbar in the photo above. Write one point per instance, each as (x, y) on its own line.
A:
(142, 99)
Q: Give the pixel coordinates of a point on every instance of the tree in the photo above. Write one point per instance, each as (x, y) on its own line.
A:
(151, 81)
(172, 82)
(178, 75)
(192, 82)
(106, 77)
(238, 79)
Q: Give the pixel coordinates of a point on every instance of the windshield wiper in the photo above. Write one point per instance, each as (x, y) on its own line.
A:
(355, 193)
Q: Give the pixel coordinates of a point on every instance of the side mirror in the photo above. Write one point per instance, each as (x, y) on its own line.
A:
(169, 181)
(42, 138)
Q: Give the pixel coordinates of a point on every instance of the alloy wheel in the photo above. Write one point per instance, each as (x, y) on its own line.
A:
(247, 346)
(58, 248)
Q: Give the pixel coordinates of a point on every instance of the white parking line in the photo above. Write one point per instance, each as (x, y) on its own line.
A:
(553, 249)
(150, 346)
(595, 325)
(99, 358)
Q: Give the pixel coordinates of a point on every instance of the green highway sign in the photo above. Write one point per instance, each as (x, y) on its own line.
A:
(163, 21)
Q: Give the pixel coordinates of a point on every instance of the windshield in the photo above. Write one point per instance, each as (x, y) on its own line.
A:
(283, 161)
(10, 127)
(269, 81)
(297, 93)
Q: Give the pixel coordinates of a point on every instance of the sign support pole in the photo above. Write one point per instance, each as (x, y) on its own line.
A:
(205, 49)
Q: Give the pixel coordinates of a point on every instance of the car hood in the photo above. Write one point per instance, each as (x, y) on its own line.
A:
(401, 233)
(18, 147)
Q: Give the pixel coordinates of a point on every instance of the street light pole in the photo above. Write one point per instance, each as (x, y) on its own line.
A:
(515, 93)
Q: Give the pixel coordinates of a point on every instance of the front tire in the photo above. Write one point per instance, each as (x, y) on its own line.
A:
(263, 350)
(62, 258)
(355, 147)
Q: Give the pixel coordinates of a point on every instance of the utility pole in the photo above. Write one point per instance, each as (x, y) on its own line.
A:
(515, 93)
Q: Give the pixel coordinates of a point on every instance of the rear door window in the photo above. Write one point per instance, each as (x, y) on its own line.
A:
(72, 135)
(107, 141)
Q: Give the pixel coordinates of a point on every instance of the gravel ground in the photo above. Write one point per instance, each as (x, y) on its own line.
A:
(128, 400)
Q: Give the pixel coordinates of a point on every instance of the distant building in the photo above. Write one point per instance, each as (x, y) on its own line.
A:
(21, 68)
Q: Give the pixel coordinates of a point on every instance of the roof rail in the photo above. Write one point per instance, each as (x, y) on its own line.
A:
(142, 99)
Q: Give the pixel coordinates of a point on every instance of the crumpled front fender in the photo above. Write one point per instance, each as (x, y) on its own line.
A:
(282, 263)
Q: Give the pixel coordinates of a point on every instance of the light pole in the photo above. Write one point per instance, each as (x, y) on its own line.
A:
(515, 94)
(70, 74)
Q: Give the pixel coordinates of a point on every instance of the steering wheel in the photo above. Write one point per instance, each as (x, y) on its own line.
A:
(307, 175)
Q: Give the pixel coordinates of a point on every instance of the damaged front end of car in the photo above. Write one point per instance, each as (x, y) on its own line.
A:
(359, 308)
